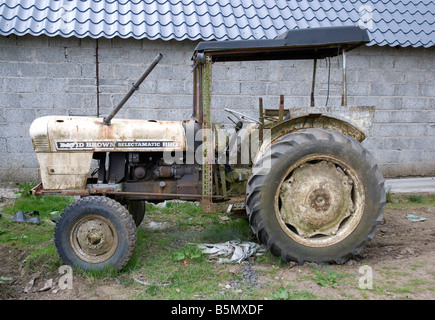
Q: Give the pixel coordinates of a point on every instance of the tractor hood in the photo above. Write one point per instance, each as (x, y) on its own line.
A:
(64, 133)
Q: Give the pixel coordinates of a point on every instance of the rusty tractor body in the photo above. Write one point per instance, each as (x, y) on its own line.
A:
(310, 190)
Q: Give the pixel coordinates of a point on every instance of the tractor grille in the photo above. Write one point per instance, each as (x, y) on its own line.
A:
(40, 144)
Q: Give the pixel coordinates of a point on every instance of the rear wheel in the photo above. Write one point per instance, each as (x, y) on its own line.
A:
(94, 233)
(137, 210)
(321, 199)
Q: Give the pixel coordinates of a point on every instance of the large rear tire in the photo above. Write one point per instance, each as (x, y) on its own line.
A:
(321, 199)
(137, 210)
(94, 233)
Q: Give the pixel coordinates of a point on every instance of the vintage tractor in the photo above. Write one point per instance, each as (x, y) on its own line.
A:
(310, 190)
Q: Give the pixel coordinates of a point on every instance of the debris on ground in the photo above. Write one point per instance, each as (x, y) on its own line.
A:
(237, 250)
(414, 218)
(146, 283)
(21, 216)
(47, 285)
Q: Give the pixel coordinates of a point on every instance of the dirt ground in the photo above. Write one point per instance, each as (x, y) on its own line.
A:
(401, 258)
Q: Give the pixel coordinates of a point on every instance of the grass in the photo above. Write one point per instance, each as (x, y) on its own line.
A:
(167, 264)
(410, 201)
(291, 293)
(36, 239)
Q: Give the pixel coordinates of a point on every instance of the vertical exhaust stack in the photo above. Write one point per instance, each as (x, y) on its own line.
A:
(134, 87)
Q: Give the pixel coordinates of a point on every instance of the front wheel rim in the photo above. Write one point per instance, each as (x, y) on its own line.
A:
(94, 239)
(320, 201)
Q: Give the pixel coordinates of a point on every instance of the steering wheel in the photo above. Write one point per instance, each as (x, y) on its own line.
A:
(241, 117)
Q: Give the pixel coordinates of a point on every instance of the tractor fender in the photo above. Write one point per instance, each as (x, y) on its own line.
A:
(308, 121)
(316, 121)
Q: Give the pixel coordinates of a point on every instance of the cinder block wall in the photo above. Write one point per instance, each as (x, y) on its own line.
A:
(58, 76)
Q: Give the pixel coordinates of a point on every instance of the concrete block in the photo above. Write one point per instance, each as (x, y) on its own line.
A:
(113, 89)
(83, 82)
(220, 72)
(42, 112)
(183, 102)
(417, 76)
(405, 62)
(271, 74)
(382, 116)
(154, 101)
(19, 85)
(9, 100)
(134, 101)
(423, 116)
(299, 74)
(19, 175)
(355, 62)
(226, 87)
(381, 89)
(50, 55)
(414, 156)
(298, 88)
(358, 89)
(64, 101)
(429, 129)
(392, 76)
(18, 160)
(34, 70)
(278, 88)
(369, 75)
(79, 55)
(171, 87)
(80, 89)
(9, 69)
(238, 73)
(407, 90)
(400, 116)
(381, 62)
(239, 102)
(253, 88)
(105, 70)
(20, 116)
(398, 130)
(14, 130)
(30, 101)
(416, 103)
(427, 90)
(19, 145)
(66, 70)
(424, 143)
(3, 146)
(389, 156)
(51, 85)
(83, 112)
(13, 53)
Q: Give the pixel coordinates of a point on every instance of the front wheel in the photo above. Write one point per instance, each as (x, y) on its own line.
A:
(94, 233)
(321, 199)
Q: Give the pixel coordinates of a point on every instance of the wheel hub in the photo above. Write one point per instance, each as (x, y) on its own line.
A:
(94, 239)
(316, 199)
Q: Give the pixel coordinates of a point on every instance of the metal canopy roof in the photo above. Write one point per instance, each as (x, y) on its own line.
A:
(389, 22)
(294, 44)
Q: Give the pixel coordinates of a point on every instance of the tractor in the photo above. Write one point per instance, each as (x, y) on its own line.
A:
(311, 191)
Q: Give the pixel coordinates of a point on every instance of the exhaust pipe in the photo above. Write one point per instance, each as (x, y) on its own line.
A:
(134, 87)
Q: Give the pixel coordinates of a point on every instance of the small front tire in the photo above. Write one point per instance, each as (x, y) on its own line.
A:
(94, 233)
